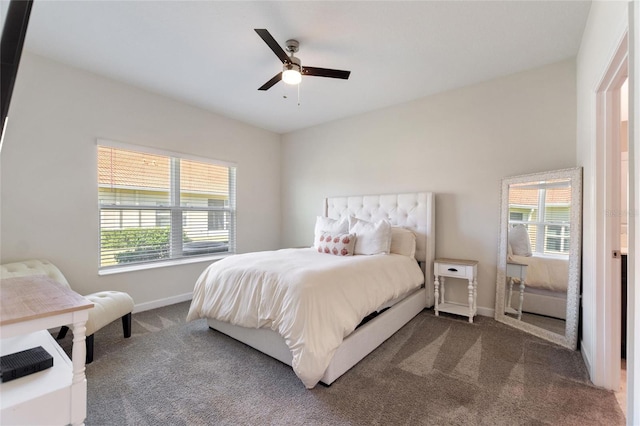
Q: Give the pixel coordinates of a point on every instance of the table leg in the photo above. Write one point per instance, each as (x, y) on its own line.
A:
(475, 295)
(436, 293)
(509, 299)
(470, 287)
(79, 380)
(521, 299)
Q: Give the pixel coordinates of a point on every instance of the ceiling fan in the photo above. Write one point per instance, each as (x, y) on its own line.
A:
(292, 69)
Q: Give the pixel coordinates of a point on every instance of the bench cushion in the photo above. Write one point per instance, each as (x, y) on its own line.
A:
(108, 306)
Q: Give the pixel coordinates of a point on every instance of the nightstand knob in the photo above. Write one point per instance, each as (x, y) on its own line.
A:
(452, 270)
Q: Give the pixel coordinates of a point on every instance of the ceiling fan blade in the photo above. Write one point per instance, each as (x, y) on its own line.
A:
(325, 72)
(273, 44)
(271, 82)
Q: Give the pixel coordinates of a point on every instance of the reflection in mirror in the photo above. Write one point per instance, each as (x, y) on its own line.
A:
(539, 257)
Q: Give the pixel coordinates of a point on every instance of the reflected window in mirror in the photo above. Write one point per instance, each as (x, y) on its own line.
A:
(544, 209)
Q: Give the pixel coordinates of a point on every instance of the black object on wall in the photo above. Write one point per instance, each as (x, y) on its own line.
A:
(13, 35)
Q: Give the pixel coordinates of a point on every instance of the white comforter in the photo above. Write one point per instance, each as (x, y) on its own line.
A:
(311, 299)
(548, 273)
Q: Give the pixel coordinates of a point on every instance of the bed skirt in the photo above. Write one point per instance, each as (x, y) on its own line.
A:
(542, 302)
(353, 348)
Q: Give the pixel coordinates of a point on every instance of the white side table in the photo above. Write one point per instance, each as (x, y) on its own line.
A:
(456, 268)
(519, 271)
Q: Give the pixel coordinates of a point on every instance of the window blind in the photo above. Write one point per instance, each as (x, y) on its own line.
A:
(155, 206)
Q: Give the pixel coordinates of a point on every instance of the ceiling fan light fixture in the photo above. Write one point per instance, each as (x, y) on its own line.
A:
(291, 74)
(292, 77)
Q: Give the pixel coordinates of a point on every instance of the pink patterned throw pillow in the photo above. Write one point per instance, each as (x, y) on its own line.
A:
(336, 244)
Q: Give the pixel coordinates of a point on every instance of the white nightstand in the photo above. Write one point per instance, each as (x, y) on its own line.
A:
(456, 268)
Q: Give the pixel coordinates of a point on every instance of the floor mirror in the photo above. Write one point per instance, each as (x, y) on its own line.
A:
(538, 279)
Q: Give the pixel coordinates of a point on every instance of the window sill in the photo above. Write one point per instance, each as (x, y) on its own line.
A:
(550, 256)
(161, 264)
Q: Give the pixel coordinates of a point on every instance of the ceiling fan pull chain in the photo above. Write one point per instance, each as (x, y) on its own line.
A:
(299, 94)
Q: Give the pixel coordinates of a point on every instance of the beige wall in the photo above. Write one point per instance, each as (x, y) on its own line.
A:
(459, 144)
(49, 187)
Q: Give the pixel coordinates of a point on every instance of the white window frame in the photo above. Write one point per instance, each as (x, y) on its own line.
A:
(176, 213)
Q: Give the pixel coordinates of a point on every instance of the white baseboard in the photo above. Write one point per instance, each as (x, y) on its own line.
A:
(587, 360)
(485, 312)
(162, 302)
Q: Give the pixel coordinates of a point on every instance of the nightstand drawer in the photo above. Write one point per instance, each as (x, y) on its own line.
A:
(454, 270)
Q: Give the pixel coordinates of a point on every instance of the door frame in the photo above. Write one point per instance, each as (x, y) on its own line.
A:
(633, 277)
(607, 179)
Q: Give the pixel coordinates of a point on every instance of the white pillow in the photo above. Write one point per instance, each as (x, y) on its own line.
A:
(326, 224)
(403, 241)
(519, 240)
(371, 238)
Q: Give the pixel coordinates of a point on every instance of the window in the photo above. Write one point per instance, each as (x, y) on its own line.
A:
(516, 216)
(218, 218)
(544, 209)
(157, 206)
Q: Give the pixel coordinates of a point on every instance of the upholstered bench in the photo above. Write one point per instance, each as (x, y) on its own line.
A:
(108, 305)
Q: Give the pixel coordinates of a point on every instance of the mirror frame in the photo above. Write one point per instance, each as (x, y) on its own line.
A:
(570, 338)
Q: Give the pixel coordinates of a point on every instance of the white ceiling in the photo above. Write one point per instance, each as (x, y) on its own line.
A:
(207, 54)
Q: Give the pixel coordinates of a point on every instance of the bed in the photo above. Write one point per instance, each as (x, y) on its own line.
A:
(304, 334)
(545, 291)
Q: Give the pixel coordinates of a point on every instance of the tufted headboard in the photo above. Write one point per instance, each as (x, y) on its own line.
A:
(415, 211)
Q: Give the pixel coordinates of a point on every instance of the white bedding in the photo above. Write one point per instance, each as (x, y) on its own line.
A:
(548, 273)
(313, 300)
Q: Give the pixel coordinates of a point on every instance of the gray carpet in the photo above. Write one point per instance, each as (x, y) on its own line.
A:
(436, 370)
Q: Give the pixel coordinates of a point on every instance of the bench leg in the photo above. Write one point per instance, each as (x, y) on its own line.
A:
(126, 325)
(89, 345)
(62, 332)
(126, 328)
